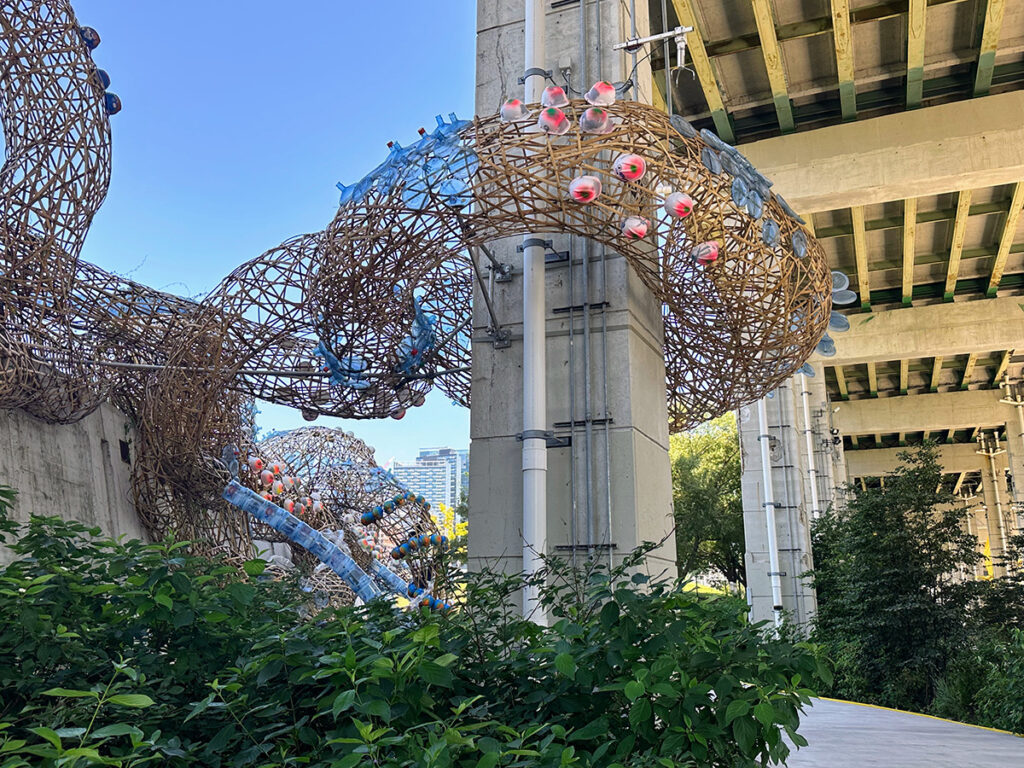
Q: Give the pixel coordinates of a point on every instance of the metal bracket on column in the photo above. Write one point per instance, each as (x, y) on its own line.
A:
(533, 72)
(501, 337)
(547, 436)
(776, 573)
(532, 242)
(502, 273)
(551, 256)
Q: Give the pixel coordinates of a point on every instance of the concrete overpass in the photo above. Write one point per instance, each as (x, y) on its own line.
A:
(897, 131)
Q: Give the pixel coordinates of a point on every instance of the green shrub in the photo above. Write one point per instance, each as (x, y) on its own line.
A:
(123, 653)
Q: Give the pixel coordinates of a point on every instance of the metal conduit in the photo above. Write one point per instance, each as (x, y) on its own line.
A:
(812, 468)
(534, 363)
(769, 510)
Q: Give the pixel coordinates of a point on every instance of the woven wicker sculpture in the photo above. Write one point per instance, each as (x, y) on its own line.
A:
(361, 319)
(329, 479)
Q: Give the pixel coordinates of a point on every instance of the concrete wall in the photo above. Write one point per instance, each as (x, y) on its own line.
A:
(74, 471)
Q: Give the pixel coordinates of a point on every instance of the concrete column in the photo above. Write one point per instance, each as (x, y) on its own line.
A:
(79, 471)
(792, 507)
(995, 496)
(626, 474)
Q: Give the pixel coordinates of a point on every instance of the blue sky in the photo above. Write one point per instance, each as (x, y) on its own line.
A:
(238, 120)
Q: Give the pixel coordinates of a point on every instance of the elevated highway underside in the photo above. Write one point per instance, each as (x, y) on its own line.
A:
(897, 130)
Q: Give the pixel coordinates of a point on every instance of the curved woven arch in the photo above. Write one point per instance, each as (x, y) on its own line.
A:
(383, 293)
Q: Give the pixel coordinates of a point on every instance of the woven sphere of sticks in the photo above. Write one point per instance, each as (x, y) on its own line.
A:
(362, 319)
(329, 478)
(54, 179)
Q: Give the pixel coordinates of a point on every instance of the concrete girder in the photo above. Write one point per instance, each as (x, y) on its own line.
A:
(935, 330)
(945, 148)
(958, 459)
(923, 413)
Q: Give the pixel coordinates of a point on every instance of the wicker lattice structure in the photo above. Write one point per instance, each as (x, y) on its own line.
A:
(337, 470)
(362, 319)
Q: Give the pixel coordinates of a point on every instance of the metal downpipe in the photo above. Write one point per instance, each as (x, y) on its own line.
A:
(769, 510)
(535, 460)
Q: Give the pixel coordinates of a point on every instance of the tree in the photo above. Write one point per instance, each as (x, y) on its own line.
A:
(706, 499)
(891, 609)
(451, 521)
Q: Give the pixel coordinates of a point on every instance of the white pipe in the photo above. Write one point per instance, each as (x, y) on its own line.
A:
(535, 458)
(1018, 484)
(769, 511)
(999, 504)
(812, 467)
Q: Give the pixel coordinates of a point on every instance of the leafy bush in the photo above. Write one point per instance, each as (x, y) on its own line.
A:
(122, 653)
(901, 626)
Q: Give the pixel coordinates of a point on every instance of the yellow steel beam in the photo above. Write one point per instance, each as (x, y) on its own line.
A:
(959, 483)
(773, 62)
(843, 41)
(1002, 367)
(909, 244)
(963, 209)
(841, 380)
(860, 250)
(873, 379)
(972, 360)
(904, 376)
(702, 65)
(658, 94)
(936, 371)
(1009, 229)
(915, 52)
(989, 43)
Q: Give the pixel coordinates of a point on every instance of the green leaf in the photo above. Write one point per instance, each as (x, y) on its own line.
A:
(634, 690)
(254, 567)
(271, 670)
(380, 709)
(117, 729)
(435, 674)
(342, 702)
(47, 733)
(69, 733)
(736, 708)
(489, 760)
(133, 700)
(566, 664)
(823, 671)
(745, 732)
(164, 599)
(80, 752)
(200, 707)
(243, 594)
(640, 712)
(446, 660)
(765, 713)
(591, 730)
(426, 634)
(348, 761)
(69, 693)
(609, 614)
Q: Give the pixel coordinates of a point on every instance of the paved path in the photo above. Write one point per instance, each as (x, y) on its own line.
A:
(843, 735)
